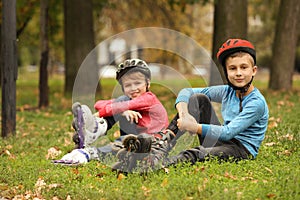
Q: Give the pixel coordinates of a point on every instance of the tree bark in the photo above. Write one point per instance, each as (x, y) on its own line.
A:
(1, 63)
(9, 67)
(79, 40)
(230, 21)
(284, 47)
(43, 78)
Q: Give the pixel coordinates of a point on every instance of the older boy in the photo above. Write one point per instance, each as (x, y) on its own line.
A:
(244, 110)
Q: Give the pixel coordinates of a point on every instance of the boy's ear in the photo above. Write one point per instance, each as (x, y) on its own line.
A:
(254, 70)
(148, 83)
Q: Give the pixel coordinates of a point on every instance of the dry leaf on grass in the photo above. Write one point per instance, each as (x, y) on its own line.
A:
(53, 152)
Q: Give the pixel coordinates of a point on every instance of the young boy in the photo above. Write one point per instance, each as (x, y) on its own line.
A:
(137, 111)
(244, 111)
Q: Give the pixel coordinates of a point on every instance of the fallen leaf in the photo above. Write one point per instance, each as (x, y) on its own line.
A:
(285, 152)
(40, 183)
(272, 124)
(247, 178)
(227, 175)
(53, 152)
(146, 190)
(254, 181)
(269, 144)
(100, 175)
(199, 169)
(121, 176)
(117, 134)
(76, 171)
(288, 136)
(164, 182)
(54, 185)
(280, 103)
(269, 170)
(271, 196)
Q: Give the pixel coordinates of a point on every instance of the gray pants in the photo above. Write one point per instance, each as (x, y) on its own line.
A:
(125, 128)
(201, 109)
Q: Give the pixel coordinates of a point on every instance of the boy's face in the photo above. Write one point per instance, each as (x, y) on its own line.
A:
(134, 84)
(240, 69)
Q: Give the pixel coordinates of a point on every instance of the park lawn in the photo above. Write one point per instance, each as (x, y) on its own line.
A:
(26, 171)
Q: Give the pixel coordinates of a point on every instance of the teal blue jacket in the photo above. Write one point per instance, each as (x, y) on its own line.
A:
(248, 126)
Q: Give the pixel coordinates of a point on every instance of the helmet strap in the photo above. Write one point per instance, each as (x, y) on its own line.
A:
(242, 90)
(147, 84)
(241, 99)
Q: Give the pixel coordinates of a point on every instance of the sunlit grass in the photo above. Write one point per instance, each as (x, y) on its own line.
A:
(26, 171)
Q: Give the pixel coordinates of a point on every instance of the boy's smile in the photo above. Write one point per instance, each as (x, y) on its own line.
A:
(240, 70)
(134, 84)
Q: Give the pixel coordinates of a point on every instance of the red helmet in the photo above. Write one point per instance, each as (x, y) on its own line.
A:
(235, 45)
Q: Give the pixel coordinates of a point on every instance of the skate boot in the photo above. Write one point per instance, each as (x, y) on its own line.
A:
(138, 143)
(136, 148)
(164, 140)
(87, 126)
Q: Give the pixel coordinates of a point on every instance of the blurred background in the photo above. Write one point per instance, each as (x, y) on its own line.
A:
(70, 23)
(55, 36)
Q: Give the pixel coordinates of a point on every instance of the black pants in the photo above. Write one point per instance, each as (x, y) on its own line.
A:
(125, 126)
(201, 109)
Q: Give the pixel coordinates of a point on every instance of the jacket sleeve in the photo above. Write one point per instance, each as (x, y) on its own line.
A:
(143, 102)
(251, 113)
(102, 103)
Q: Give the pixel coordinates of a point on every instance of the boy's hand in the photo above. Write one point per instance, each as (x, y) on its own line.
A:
(187, 123)
(132, 116)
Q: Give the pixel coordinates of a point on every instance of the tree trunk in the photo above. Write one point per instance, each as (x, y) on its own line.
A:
(43, 79)
(9, 67)
(1, 63)
(284, 47)
(230, 21)
(79, 41)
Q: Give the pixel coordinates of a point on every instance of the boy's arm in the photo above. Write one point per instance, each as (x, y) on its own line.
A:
(187, 122)
(214, 93)
(182, 107)
(252, 112)
(102, 103)
(144, 102)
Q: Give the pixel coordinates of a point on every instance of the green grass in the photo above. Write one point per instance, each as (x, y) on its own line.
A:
(26, 172)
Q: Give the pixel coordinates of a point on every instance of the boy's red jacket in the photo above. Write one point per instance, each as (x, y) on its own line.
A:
(154, 115)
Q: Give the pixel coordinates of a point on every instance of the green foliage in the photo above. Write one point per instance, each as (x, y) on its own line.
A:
(27, 173)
